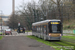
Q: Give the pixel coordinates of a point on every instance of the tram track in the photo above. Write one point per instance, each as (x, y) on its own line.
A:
(61, 44)
(68, 40)
(65, 41)
(68, 43)
(58, 43)
(54, 42)
(64, 44)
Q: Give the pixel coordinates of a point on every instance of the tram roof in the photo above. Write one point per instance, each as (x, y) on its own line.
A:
(45, 21)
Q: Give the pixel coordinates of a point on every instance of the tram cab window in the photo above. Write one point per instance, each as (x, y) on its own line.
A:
(54, 28)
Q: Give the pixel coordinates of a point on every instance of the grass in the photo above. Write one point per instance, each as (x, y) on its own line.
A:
(63, 44)
(68, 42)
(56, 45)
(71, 37)
(1, 37)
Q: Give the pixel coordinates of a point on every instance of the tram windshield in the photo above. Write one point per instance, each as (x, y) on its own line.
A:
(54, 28)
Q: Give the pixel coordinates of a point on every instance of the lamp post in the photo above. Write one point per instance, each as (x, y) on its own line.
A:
(61, 11)
(13, 6)
(62, 15)
(13, 11)
(1, 19)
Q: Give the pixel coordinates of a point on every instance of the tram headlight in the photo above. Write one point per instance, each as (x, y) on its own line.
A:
(49, 34)
(60, 34)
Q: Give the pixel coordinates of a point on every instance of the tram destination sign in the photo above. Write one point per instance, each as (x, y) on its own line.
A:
(55, 23)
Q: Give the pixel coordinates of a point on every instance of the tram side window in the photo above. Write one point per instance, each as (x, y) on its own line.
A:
(34, 29)
(45, 29)
(38, 29)
(41, 29)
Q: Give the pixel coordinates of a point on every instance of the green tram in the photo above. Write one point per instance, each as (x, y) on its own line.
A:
(48, 29)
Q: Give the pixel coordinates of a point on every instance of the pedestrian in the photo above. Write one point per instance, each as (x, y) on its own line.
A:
(23, 30)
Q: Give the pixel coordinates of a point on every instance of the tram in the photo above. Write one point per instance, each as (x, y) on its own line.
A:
(48, 29)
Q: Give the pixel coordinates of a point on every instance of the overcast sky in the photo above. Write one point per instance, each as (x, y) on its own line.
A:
(6, 5)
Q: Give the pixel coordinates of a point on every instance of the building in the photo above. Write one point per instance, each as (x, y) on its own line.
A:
(4, 19)
(1, 21)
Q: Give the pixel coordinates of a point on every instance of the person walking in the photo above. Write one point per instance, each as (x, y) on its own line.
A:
(23, 30)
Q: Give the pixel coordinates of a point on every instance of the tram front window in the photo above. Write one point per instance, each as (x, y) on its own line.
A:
(54, 28)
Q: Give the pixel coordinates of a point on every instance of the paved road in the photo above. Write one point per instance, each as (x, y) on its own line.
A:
(22, 43)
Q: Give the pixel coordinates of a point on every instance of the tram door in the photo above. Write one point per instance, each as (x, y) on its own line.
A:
(41, 31)
(45, 30)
